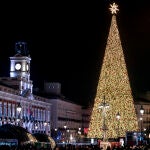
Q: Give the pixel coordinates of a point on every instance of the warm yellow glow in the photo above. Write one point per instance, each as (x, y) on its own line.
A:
(114, 8)
(115, 86)
(31, 138)
(52, 142)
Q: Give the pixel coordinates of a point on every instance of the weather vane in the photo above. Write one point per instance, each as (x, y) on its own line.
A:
(114, 8)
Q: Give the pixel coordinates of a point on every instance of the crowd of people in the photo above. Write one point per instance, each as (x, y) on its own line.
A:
(98, 147)
(78, 147)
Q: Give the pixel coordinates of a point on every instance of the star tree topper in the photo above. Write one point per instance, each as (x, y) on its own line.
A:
(114, 8)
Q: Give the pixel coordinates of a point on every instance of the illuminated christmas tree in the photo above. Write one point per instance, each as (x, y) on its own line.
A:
(114, 95)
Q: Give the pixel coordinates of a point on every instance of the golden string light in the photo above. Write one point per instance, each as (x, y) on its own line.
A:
(115, 86)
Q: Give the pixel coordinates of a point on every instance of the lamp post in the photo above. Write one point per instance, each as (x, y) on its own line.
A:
(46, 127)
(65, 136)
(141, 110)
(104, 106)
(141, 121)
(54, 134)
(118, 119)
(19, 109)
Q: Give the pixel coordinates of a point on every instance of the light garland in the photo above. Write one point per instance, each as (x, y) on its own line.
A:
(115, 86)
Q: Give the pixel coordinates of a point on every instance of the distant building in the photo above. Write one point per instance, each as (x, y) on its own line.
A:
(86, 114)
(53, 88)
(66, 118)
(144, 119)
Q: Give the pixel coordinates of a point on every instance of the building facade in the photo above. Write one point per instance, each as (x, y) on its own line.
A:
(41, 114)
(143, 113)
(16, 91)
(66, 120)
(63, 119)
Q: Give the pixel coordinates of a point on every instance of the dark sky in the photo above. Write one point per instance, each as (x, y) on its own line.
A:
(67, 39)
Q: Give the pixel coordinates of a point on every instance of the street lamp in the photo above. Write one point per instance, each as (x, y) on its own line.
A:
(118, 118)
(104, 106)
(141, 120)
(65, 136)
(79, 131)
(19, 108)
(65, 126)
(141, 110)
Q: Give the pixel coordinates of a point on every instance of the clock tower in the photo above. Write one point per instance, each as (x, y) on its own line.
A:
(20, 62)
(20, 66)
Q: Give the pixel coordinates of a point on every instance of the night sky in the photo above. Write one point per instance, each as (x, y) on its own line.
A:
(66, 41)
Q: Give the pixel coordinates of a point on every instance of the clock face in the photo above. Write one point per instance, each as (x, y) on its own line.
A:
(18, 66)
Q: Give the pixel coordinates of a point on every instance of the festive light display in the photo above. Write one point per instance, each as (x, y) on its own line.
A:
(114, 85)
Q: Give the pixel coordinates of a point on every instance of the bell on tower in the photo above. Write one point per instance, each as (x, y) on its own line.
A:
(21, 48)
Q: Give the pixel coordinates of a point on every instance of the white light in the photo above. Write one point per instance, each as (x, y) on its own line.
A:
(141, 118)
(65, 127)
(92, 141)
(118, 116)
(18, 119)
(19, 108)
(142, 110)
(71, 138)
(45, 123)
